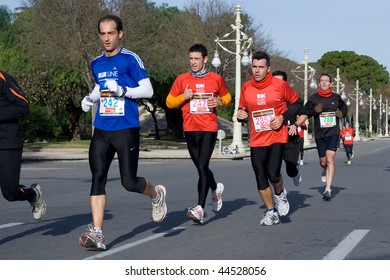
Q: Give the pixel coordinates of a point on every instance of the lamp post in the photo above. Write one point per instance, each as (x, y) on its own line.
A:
(338, 82)
(386, 121)
(370, 117)
(242, 43)
(380, 116)
(308, 74)
(358, 96)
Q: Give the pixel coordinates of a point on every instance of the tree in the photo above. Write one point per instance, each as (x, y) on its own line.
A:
(59, 37)
(356, 67)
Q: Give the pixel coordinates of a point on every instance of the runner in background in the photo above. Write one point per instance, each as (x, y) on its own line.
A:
(327, 108)
(291, 148)
(347, 134)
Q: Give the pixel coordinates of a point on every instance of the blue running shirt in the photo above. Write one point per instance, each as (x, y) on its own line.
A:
(127, 69)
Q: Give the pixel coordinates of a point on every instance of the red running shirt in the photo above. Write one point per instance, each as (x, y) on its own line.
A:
(261, 105)
(211, 83)
(347, 135)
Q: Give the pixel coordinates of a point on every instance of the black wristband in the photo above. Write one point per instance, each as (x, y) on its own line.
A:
(124, 91)
(297, 125)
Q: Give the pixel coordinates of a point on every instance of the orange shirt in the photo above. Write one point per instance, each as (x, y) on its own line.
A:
(347, 135)
(211, 83)
(263, 103)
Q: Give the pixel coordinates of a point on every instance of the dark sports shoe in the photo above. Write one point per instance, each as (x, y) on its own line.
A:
(38, 205)
(92, 239)
(297, 179)
(326, 195)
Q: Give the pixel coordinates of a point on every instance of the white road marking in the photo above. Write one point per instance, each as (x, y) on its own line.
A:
(347, 245)
(132, 244)
(10, 225)
(374, 151)
(45, 168)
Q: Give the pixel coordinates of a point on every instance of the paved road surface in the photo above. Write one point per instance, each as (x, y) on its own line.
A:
(353, 226)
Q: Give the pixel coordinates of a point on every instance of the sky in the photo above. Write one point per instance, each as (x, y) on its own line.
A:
(321, 26)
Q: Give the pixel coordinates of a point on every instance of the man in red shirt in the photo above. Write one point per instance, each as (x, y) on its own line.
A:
(263, 100)
(347, 134)
(198, 93)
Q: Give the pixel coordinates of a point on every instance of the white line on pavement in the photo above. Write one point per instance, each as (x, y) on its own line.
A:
(133, 244)
(374, 151)
(46, 168)
(347, 245)
(10, 225)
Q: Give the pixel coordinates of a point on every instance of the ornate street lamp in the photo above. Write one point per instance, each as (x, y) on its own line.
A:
(243, 43)
(308, 74)
(357, 96)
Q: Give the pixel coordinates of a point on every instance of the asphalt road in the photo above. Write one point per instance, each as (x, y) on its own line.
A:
(354, 225)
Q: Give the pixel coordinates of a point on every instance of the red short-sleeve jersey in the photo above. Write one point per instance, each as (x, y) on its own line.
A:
(274, 97)
(211, 83)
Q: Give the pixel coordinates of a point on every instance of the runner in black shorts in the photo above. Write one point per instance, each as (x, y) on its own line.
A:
(292, 147)
(13, 105)
(327, 108)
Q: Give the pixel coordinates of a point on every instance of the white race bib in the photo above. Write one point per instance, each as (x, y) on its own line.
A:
(111, 105)
(327, 119)
(198, 103)
(262, 119)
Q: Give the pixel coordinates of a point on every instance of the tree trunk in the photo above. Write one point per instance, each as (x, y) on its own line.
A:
(74, 114)
(175, 123)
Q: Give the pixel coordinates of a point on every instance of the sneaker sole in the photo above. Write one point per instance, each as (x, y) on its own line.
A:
(38, 189)
(215, 208)
(273, 224)
(43, 212)
(162, 188)
(87, 242)
(194, 219)
(326, 198)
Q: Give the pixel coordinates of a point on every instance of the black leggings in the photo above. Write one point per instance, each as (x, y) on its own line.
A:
(266, 163)
(200, 146)
(102, 150)
(301, 145)
(348, 150)
(10, 164)
(291, 156)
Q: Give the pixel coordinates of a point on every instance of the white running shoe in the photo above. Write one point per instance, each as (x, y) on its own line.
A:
(323, 176)
(216, 200)
(301, 162)
(38, 205)
(196, 214)
(160, 207)
(93, 239)
(297, 179)
(270, 218)
(281, 203)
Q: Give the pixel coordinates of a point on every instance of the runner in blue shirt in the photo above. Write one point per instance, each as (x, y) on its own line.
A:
(120, 78)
